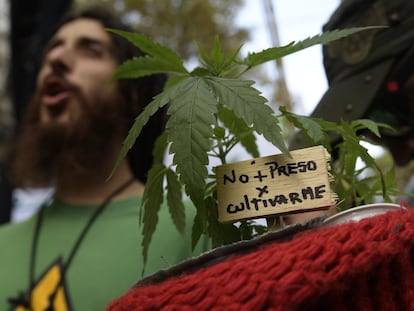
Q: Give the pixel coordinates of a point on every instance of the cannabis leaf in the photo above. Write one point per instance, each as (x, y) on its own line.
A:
(174, 199)
(211, 109)
(145, 66)
(152, 200)
(156, 54)
(247, 103)
(254, 59)
(239, 131)
(217, 64)
(354, 186)
(159, 101)
(313, 130)
(190, 128)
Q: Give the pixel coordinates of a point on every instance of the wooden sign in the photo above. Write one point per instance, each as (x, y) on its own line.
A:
(275, 185)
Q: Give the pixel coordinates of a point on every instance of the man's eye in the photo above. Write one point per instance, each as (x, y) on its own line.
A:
(93, 51)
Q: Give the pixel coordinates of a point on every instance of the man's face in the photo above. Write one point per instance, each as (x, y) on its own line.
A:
(78, 62)
(77, 118)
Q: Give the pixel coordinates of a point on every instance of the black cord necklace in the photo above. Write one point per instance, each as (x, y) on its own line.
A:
(24, 299)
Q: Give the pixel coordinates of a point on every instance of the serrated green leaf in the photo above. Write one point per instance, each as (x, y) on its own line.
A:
(145, 66)
(231, 67)
(160, 146)
(213, 62)
(366, 124)
(366, 189)
(217, 54)
(217, 64)
(200, 223)
(353, 143)
(257, 58)
(310, 128)
(240, 130)
(150, 47)
(221, 234)
(249, 105)
(159, 101)
(197, 230)
(355, 149)
(190, 128)
(175, 202)
(266, 55)
(204, 58)
(151, 202)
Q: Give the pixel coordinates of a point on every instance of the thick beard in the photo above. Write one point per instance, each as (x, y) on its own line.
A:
(82, 148)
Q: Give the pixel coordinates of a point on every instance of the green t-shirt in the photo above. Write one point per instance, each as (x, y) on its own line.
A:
(108, 262)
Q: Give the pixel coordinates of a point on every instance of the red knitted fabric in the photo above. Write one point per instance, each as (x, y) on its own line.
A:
(356, 266)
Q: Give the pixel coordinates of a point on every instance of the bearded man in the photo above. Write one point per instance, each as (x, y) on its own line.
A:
(82, 249)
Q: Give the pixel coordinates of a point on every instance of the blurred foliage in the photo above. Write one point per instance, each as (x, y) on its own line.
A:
(178, 23)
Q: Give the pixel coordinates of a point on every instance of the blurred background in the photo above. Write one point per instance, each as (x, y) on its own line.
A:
(296, 82)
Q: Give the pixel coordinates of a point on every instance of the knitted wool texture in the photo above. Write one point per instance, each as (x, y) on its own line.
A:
(355, 266)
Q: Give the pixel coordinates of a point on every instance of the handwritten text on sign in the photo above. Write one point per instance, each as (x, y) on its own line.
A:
(274, 185)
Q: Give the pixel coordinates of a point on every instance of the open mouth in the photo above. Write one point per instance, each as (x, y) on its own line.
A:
(55, 95)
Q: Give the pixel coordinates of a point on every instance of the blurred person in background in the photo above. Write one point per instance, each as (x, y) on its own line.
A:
(83, 247)
(24, 30)
(371, 75)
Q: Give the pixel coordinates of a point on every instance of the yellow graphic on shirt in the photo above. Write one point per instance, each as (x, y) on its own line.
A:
(49, 292)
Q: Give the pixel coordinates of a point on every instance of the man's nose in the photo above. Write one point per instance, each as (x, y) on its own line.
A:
(60, 60)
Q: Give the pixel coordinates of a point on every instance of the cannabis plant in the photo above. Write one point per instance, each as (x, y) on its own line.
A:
(211, 110)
